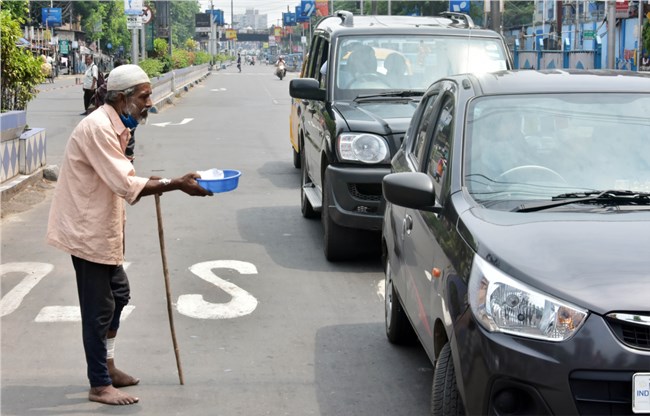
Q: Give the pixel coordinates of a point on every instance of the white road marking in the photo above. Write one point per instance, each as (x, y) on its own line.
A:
(381, 289)
(71, 314)
(241, 304)
(34, 272)
(218, 89)
(169, 123)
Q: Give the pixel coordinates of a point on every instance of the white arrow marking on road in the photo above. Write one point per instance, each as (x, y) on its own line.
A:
(242, 302)
(169, 123)
(219, 89)
(34, 272)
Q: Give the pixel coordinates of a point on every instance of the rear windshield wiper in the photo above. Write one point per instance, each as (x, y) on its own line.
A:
(391, 94)
(610, 197)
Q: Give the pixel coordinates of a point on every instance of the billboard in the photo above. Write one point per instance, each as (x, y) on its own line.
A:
(51, 16)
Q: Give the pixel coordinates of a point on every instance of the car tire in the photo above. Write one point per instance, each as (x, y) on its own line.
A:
(296, 158)
(305, 206)
(336, 239)
(398, 327)
(445, 400)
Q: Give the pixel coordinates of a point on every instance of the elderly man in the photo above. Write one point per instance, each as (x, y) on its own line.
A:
(87, 219)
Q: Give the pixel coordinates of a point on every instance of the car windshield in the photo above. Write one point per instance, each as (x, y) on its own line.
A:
(409, 62)
(543, 146)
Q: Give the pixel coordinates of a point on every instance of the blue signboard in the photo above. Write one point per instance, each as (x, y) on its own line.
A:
(299, 16)
(217, 16)
(308, 7)
(51, 16)
(459, 6)
(289, 19)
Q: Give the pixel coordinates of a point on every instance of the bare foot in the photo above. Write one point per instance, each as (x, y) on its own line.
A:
(110, 395)
(119, 377)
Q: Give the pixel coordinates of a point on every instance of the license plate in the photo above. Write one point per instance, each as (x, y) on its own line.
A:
(641, 393)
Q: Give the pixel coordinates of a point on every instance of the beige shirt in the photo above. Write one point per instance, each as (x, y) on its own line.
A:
(87, 215)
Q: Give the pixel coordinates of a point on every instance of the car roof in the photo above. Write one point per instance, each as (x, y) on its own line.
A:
(558, 81)
(401, 24)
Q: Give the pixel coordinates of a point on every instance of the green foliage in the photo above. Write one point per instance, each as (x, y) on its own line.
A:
(153, 67)
(182, 58)
(160, 47)
(646, 37)
(20, 70)
(201, 57)
(182, 18)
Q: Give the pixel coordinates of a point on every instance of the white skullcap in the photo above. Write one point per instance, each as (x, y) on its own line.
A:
(126, 76)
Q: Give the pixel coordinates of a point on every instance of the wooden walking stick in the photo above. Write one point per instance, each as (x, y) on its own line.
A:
(161, 237)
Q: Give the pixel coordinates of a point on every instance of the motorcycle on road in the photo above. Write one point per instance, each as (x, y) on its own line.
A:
(280, 70)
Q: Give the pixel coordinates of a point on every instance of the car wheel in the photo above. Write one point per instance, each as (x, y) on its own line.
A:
(398, 327)
(305, 206)
(445, 400)
(336, 239)
(296, 158)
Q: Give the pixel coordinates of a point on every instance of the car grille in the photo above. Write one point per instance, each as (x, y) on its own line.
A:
(631, 334)
(602, 392)
(365, 191)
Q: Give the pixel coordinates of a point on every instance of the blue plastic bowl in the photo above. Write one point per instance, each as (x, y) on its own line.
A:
(228, 183)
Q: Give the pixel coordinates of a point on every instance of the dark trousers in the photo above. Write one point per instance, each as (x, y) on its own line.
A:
(103, 293)
(88, 94)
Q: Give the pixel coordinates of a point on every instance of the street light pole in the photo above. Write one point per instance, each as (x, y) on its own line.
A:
(611, 34)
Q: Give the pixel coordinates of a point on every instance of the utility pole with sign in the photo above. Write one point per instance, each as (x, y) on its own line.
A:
(134, 10)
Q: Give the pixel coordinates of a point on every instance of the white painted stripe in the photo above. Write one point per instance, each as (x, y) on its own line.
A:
(34, 272)
(71, 314)
(381, 289)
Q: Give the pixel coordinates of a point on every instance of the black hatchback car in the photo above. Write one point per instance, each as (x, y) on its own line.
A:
(517, 242)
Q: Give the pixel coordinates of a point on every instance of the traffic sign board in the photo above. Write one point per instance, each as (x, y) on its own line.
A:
(133, 22)
(147, 15)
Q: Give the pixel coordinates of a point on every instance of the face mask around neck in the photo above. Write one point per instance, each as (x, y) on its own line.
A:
(129, 121)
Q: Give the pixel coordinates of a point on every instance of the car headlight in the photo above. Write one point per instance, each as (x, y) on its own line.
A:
(502, 304)
(362, 147)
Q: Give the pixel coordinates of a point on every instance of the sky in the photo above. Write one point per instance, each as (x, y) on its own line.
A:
(272, 8)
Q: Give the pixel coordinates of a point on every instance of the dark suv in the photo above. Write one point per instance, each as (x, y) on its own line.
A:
(360, 86)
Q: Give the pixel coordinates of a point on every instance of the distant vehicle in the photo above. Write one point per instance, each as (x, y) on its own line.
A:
(358, 90)
(521, 262)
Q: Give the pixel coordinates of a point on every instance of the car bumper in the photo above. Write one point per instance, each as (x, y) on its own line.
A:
(590, 373)
(357, 201)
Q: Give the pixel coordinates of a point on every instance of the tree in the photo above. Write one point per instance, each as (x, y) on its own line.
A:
(20, 70)
(646, 36)
(182, 18)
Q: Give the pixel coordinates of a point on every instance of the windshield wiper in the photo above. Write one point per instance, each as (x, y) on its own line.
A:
(610, 197)
(391, 94)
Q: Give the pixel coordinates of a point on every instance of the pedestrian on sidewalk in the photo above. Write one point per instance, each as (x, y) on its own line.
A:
(90, 82)
(87, 220)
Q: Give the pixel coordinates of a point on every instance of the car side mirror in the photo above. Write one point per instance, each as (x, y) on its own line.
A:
(411, 190)
(306, 89)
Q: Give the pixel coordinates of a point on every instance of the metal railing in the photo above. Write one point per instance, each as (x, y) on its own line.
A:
(168, 85)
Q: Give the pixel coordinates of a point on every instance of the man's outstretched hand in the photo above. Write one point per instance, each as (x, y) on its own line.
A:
(189, 185)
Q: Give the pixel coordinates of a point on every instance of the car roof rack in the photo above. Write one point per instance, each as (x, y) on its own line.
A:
(347, 19)
(459, 19)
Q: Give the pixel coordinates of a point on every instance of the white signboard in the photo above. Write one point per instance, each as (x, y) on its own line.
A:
(133, 7)
(134, 22)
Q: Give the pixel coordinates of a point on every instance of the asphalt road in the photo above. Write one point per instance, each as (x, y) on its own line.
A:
(265, 325)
